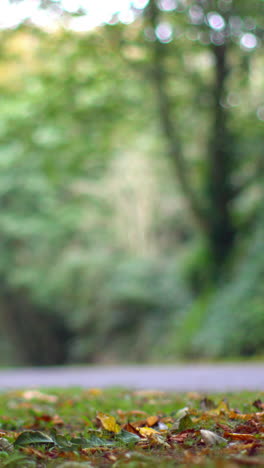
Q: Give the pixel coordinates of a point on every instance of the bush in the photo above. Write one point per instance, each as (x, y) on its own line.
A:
(234, 319)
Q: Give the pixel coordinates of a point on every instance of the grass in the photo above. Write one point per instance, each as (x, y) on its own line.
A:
(125, 429)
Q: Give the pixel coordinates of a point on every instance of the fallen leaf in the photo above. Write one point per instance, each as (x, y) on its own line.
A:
(237, 436)
(36, 395)
(152, 420)
(210, 438)
(95, 392)
(108, 422)
(207, 404)
(5, 445)
(56, 420)
(127, 437)
(222, 408)
(130, 428)
(33, 451)
(123, 414)
(181, 437)
(157, 440)
(110, 457)
(33, 438)
(248, 461)
(182, 412)
(258, 404)
(149, 393)
(194, 396)
(147, 431)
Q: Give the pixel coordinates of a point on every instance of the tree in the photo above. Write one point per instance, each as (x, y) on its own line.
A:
(222, 25)
(179, 80)
(229, 34)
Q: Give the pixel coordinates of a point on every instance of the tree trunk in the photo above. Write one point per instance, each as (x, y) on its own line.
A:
(38, 335)
(221, 234)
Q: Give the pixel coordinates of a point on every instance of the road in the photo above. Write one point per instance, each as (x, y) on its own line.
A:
(200, 378)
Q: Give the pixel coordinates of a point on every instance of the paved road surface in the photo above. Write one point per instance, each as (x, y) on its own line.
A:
(211, 378)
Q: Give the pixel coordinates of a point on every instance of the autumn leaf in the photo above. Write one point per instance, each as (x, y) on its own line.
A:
(108, 422)
(258, 404)
(130, 428)
(94, 392)
(195, 435)
(210, 438)
(222, 408)
(152, 420)
(147, 431)
(36, 395)
(55, 420)
(244, 437)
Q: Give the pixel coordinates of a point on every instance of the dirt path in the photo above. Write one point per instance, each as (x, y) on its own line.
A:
(211, 378)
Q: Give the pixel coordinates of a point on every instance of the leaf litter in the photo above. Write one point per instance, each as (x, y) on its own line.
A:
(96, 428)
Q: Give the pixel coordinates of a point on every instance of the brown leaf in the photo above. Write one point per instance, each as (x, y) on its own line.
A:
(248, 461)
(123, 414)
(130, 428)
(33, 451)
(236, 436)
(56, 420)
(258, 404)
(181, 437)
(249, 427)
(110, 457)
(207, 404)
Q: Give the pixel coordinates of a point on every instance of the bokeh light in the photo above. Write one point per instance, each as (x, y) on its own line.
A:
(167, 5)
(164, 32)
(248, 41)
(215, 21)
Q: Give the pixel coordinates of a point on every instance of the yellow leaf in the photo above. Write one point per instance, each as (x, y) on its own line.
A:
(95, 392)
(147, 431)
(222, 408)
(108, 423)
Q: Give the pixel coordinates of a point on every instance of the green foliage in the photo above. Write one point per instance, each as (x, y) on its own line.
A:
(130, 310)
(71, 106)
(234, 319)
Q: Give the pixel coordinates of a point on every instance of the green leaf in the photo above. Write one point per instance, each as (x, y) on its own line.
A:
(127, 438)
(92, 441)
(185, 423)
(33, 438)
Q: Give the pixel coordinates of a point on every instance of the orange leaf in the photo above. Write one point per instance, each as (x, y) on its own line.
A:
(236, 436)
(95, 392)
(129, 428)
(152, 420)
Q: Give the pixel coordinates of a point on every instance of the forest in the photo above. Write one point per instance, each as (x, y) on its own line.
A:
(131, 184)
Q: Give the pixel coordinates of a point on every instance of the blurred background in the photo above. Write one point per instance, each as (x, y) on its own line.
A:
(131, 181)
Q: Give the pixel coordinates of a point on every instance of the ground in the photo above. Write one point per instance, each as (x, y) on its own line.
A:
(128, 429)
